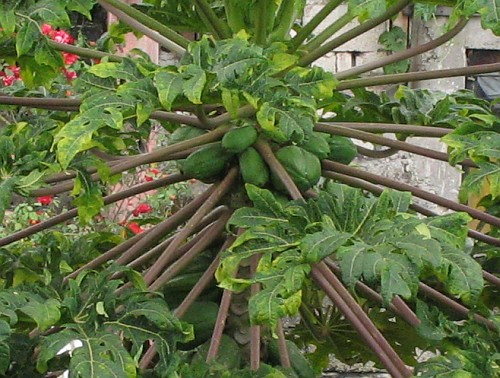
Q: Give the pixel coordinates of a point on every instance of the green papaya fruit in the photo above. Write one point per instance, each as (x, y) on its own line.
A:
(206, 162)
(239, 139)
(343, 149)
(303, 167)
(184, 133)
(300, 364)
(203, 316)
(317, 144)
(253, 168)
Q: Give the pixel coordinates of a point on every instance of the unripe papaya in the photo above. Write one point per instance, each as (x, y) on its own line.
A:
(317, 144)
(184, 133)
(207, 162)
(343, 149)
(239, 139)
(253, 168)
(303, 167)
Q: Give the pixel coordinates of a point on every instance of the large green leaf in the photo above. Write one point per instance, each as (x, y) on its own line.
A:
(100, 356)
(45, 314)
(27, 35)
(169, 86)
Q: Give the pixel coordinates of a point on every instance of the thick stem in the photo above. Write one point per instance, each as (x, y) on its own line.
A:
(260, 22)
(161, 154)
(358, 30)
(373, 342)
(217, 24)
(306, 31)
(84, 52)
(341, 168)
(282, 348)
(417, 76)
(221, 189)
(377, 139)
(402, 55)
(204, 242)
(220, 324)
(492, 279)
(201, 229)
(271, 160)
(148, 21)
(204, 280)
(375, 189)
(254, 329)
(169, 224)
(454, 306)
(115, 197)
(243, 112)
(329, 31)
(377, 154)
(142, 28)
(413, 130)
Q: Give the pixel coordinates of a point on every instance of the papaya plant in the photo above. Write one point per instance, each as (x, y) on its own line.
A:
(285, 226)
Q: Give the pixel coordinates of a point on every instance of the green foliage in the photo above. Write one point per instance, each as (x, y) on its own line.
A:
(376, 240)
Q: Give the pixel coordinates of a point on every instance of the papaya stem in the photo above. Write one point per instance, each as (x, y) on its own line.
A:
(218, 192)
(260, 22)
(84, 52)
(377, 154)
(308, 28)
(417, 76)
(206, 239)
(329, 31)
(148, 21)
(254, 329)
(369, 137)
(218, 25)
(282, 348)
(115, 197)
(413, 130)
(271, 160)
(402, 55)
(353, 33)
(339, 295)
(376, 179)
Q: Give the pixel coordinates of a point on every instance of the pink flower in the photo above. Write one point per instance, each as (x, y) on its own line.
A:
(15, 70)
(62, 37)
(45, 200)
(47, 29)
(143, 208)
(70, 75)
(7, 80)
(134, 227)
(69, 58)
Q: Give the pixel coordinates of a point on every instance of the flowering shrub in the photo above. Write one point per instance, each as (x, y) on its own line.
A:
(45, 200)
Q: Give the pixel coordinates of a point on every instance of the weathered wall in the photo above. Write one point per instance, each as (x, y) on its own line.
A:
(436, 177)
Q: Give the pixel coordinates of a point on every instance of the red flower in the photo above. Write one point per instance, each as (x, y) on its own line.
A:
(45, 200)
(7, 80)
(32, 222)
(143, 208)
(47, 29)
(62, 37)
(151, 174)
(134, 227)
(70, 75)
(69, 58)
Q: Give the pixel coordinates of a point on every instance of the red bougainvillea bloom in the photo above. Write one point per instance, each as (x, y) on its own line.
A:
(45, 200)
(151, 174)
(134, 227)
(7, 80)
(47, 29)
(70, 75)
(143, 208)
(69, 58)
(62, 37)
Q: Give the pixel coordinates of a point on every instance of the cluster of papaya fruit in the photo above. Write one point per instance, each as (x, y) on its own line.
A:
(301, 161)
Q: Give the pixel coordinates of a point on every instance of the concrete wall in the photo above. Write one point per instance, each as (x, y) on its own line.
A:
(436, 177)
